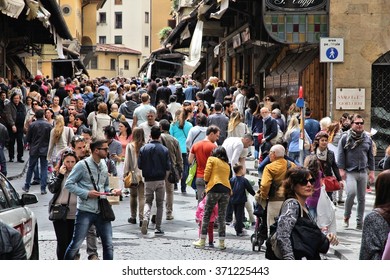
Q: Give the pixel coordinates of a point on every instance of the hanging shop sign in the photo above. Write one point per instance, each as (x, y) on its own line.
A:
(295, 5)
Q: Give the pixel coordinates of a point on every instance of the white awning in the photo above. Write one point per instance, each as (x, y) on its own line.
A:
(12, 8)
(196, 45)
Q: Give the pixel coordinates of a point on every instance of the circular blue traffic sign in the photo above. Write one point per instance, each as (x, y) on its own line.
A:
(332, 53)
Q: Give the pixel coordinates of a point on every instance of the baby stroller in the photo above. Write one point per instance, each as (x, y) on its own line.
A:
(260, 233)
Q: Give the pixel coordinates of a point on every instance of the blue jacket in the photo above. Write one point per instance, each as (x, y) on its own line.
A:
(154, 161)
(239, 185)
(79, 182)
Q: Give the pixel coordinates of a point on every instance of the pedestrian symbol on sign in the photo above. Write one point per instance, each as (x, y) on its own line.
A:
(332, 53)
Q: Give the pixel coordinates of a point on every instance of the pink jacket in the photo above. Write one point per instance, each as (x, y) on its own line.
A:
(200, 211)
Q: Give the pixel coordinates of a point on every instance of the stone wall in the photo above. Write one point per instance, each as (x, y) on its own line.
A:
(364, 25)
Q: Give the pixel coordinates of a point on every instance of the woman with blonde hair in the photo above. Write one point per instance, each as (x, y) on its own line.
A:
(60, 138)
(292, 136)
(100, 121)
(137, 197)
(236, 128)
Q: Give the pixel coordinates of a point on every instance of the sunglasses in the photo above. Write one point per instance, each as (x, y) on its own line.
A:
(267, 99)
(358, 123)
(78, 138)
(35, 103)
(68, 152)
(304, 182)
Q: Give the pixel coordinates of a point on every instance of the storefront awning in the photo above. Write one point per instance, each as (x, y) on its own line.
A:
(295, 62)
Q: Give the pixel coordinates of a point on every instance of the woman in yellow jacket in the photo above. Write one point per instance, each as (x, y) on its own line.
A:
(218, 190)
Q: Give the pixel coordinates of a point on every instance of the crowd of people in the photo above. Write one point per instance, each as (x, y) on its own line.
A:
(81, 133)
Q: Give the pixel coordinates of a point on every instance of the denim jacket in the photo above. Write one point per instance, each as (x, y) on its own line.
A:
(79, 183)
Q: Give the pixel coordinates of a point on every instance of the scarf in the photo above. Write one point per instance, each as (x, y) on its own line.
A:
(322, 155)
(354, 139)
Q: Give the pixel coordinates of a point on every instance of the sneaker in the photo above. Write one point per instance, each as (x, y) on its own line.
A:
(20, 160)
(211, 244)
(169, 217)
(200, 244)
(93, 258)
(43, 192)
(340, 201)
(221, 245)
(132, 221)
(346, 222)
(243, 233)
(359, 226)
(34, 183)
(158, 231)
(256, 164)
(144, 228)
(11, 160)
(25, 189)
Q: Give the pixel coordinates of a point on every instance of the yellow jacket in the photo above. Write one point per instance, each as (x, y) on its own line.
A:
(216, 172)
(275, 171)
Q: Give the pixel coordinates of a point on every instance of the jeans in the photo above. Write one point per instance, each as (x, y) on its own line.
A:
(238, 209)
(33, 161)
(83, 222)
(295, 156)
(185, 172)
(356, 185)
(257, 147)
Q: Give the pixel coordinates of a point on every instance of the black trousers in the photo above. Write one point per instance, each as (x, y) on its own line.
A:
(18, 138)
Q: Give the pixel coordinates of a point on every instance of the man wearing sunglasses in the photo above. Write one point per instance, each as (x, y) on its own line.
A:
(355, 157)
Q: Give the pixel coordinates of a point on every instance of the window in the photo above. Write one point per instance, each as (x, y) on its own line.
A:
(118, 40)
(112, 63)
(146, 17)
(126, 64)
(146, 41)
(94, 63)
(118, 2)
(102, 18)
(118, 20)
(102, 39)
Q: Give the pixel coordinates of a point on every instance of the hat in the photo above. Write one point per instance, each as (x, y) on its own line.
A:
(38, 77)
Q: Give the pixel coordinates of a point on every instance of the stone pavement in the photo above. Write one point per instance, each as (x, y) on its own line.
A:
(182, 230)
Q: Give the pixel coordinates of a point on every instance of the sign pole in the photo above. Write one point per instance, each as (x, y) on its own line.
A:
(331, 90)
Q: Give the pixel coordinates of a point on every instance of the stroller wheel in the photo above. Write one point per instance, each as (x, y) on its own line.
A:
(253, 238)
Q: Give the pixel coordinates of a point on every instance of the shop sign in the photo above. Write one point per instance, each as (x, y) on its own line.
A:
(350, 98)
(295, 5)
(236, 40)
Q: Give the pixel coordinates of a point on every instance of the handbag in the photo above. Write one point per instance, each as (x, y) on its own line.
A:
(191, 173)
(58, 212)
(131, 179)
(105, 207)
(331, 184)
(306, 240)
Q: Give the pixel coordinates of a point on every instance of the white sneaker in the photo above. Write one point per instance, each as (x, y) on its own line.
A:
(256, 164)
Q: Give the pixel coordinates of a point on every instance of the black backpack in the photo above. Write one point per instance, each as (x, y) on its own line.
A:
(93, 104)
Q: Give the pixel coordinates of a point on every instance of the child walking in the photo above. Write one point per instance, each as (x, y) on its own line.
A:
(239, 186)
(199, 217)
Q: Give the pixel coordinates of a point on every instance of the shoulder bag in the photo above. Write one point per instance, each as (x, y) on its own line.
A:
(306, 240)
(131, 180)
(58, 212)
(331, 184)
(105, 207)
